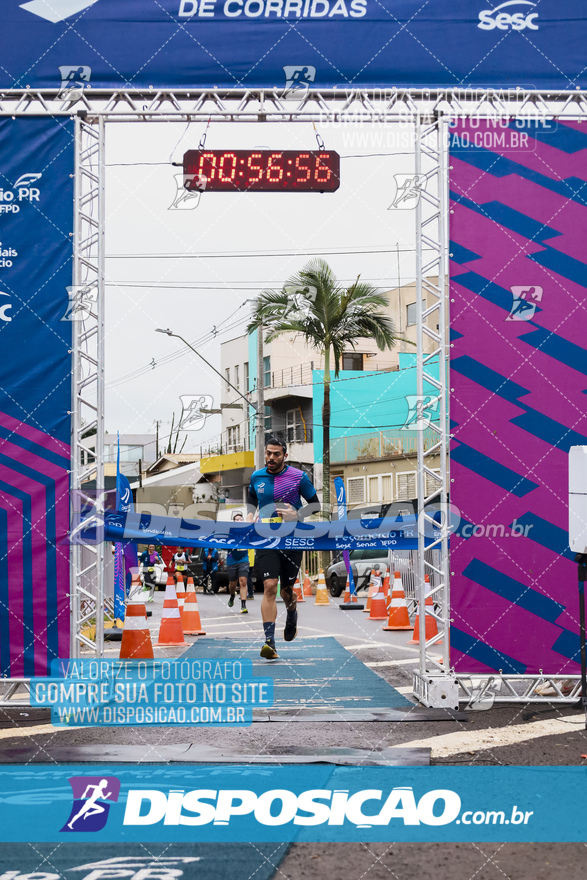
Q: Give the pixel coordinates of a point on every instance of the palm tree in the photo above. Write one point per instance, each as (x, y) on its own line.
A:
(331, 318)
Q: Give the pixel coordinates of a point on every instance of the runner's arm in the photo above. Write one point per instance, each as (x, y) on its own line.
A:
(308, 493)
(252, 503)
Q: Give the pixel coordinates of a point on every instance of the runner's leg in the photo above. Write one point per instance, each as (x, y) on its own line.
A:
(232, 578)
(269, 564)
(243, 593)
(290, 564)
(269, 605)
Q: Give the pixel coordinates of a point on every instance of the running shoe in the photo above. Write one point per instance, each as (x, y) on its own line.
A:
(291, 626)
(231, 602)
(268, 651)
(244, 610)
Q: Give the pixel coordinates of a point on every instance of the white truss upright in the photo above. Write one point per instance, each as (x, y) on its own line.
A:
(430, 112)
(87, 312)
(432, 404)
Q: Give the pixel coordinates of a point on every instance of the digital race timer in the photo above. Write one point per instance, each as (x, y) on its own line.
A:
(261, 170)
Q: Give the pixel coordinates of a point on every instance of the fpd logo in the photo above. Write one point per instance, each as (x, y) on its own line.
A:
(22, 191)
(90, 802)
(504, 21)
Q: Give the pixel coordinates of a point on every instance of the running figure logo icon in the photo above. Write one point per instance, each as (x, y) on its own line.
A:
(90, 802)
(421, 410)
(192, 417)
(298, 79)
(524, 302)
(408, 189)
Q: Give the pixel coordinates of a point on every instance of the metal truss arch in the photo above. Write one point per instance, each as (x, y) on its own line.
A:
(430, 111)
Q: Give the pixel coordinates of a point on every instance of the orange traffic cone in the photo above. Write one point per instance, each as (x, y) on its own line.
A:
(386, 588)
(192, 625)
(136, 639)
(431, 629)
(307, 585)
(347, 592)
(298, 590)
(180, 593)
(372, 589)
(321, 592)
(170, 631)
(398, 607)
(378, 610)
(170, 580)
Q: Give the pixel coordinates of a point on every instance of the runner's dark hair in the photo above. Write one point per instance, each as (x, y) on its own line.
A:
(275, 441)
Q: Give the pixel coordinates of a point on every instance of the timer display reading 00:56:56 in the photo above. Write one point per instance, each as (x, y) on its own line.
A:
(261, 170)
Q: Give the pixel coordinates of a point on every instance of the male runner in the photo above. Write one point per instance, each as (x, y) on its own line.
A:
(237, 565)
(277, 491)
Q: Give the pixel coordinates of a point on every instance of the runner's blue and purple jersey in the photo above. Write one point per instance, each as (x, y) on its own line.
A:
(290, 486)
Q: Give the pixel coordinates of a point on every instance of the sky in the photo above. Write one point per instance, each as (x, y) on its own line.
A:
(193, 270)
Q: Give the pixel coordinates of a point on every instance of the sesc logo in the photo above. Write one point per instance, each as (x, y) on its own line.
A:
(505, 21)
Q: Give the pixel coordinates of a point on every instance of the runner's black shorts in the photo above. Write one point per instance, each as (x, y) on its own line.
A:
(283, 564)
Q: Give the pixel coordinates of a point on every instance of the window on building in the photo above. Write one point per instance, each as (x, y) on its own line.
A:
(294, 426)
(246, 375)
(266, 371)
(227, 374)
(356, 490)
(406, 486)
(237, 378)
(268, 420)
(352, 361)
(234, 439)
(380, 488)
(411, 316)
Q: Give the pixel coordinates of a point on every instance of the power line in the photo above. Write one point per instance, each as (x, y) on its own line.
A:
(211, 255)
(180, 352)
(171, 164)
(219, 285)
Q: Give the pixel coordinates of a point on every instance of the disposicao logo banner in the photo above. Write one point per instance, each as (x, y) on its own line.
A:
(319, 803)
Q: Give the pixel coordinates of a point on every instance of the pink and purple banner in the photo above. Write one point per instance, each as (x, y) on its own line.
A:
(519, 386)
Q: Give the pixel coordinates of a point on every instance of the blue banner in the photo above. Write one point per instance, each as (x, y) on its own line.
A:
(252, 803)
(293, 44)
(125, 555)
(390, 532)
(36, 222)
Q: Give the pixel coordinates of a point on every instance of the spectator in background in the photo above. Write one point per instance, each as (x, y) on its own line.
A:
(237, 564)
(209, 559)
(180, 562)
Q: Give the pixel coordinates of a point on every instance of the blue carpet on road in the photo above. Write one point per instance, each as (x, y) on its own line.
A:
(168, 861)
(311, 673)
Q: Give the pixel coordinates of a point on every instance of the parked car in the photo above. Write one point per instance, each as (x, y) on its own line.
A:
(362, 562)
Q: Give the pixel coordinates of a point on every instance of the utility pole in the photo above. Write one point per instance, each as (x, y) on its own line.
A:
(260, 430)
(157, 440)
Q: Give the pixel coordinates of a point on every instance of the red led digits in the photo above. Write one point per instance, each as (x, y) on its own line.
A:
(207, 165)
(250, 178)
(322, 172)
(228, 163)
(303, 157)
(274, 172)
(264, 170)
